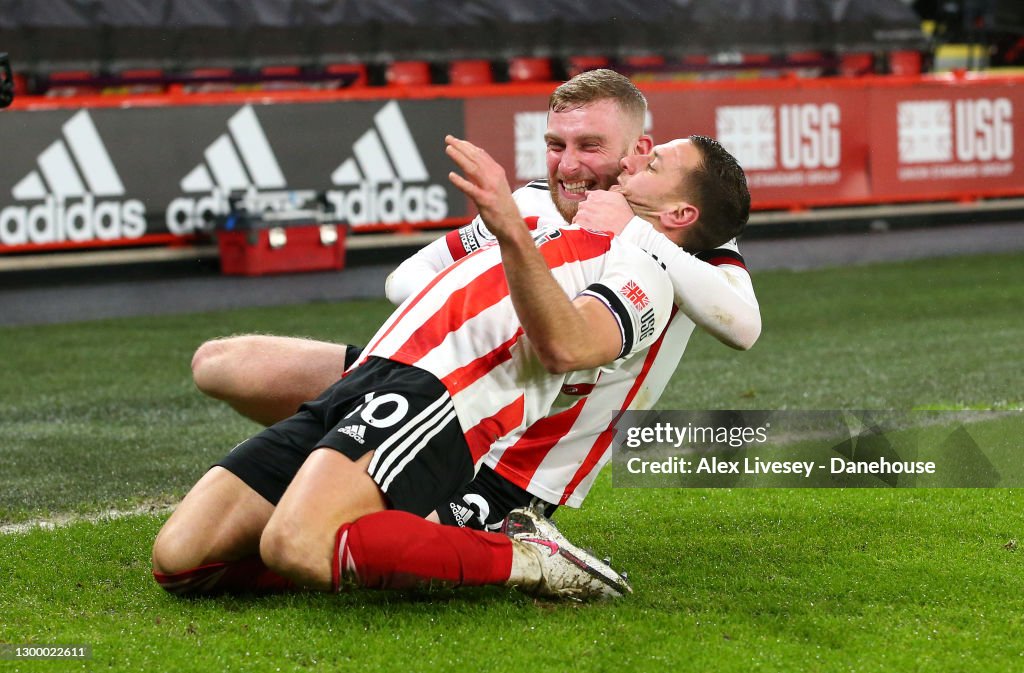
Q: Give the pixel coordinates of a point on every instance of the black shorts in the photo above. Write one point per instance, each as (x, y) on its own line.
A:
(402, 414)
(485, 502)
(352, 353)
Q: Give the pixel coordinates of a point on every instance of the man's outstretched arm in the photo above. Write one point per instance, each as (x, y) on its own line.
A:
(718, 298)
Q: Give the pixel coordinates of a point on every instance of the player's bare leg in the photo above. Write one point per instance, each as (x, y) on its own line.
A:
(266, 378)
(211, 541)
(332, 527)
(221, 519)
(329, 490)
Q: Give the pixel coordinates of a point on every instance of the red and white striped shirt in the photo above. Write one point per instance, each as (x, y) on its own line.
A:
(463, 329)
(559, 457)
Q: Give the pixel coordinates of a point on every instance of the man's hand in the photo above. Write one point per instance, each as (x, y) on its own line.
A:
(604, 211)
(486, 185)
(553, 323)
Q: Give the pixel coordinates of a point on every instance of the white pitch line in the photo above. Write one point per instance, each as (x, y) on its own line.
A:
(63, 520)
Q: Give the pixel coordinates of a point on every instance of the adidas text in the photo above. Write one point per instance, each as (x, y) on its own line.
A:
(186, 215)
(389, 203)
(55, 221)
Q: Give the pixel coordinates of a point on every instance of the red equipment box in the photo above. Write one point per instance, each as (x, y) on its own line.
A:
(270, 247)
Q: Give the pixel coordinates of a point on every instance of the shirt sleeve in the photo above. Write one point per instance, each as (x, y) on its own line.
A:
(712, 288)
(637, 291)
(413, 274)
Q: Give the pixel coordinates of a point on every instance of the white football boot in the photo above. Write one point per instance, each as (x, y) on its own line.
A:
(545, 563)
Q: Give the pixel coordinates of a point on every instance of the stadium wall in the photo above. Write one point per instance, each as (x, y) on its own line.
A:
(108, 171)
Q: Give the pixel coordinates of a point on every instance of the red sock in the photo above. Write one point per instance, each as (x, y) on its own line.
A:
(398, 550)
(245, 575)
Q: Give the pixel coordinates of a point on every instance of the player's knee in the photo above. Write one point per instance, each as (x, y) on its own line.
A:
(180, 571)
(211, 365)
(284, 550)
(172, 552)
(204, 362)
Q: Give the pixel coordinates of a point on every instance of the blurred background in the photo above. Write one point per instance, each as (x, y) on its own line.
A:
(65, 47)
(273, 136)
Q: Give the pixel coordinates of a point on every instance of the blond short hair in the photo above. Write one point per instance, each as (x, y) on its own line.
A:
(597, 85)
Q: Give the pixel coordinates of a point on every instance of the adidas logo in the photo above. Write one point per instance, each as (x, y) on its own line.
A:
(73, 173)
(476, 507)
(356, 432)
(240, 160)
(461, 514)
(385, 160)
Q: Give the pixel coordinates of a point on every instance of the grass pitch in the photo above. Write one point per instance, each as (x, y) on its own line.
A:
(102, 415)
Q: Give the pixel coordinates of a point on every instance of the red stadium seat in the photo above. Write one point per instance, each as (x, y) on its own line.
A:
(408, 73)
(73, 76)
(64, 83)
(578, 64)
(20, 85)
(905, 62)
(805, 57)
(756, 59)
(142, 73)
(855, 65)
(646, 67)
(650, 61)
(211, 74)
(281, 77)
(205, 80)
(524, 69)
(354, 73)
(276, 71)
(470, 72)
(805, 64)
(1015, 52)
(139, 80)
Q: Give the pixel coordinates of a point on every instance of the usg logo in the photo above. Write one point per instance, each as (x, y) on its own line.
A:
(937, 131)
(791, 137)
(385, 179)
(73, 195)
(240, 160)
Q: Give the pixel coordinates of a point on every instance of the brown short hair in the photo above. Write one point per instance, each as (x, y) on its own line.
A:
(597, 85)
(719, 190)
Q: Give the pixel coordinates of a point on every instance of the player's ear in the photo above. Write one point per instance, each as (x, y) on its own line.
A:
(644, 145)
(680, 215)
